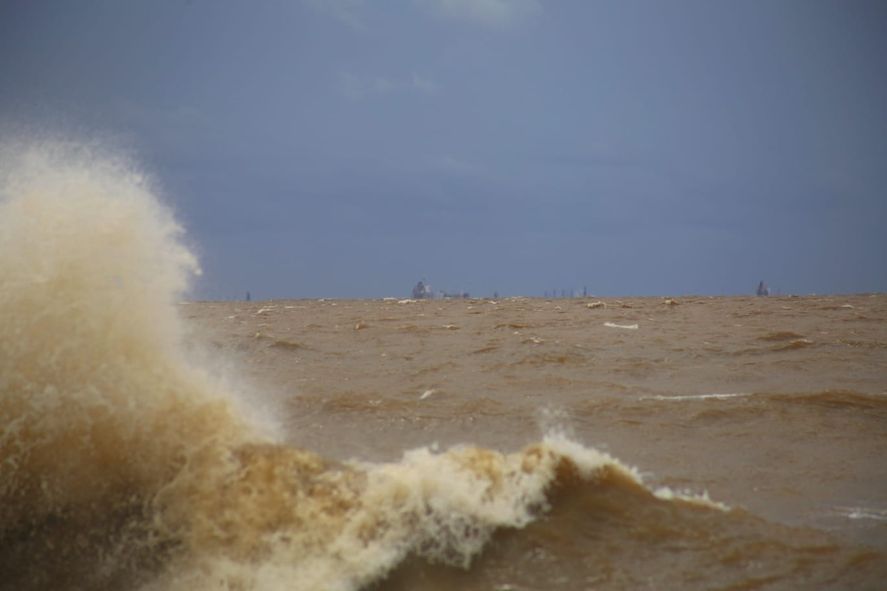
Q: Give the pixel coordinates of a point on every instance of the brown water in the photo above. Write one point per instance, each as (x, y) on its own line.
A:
(694, 443)
(776, 407)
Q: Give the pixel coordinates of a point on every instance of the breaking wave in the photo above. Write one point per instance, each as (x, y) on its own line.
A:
(126, 465)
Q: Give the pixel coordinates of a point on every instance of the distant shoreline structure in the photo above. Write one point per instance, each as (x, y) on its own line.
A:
(423, 291)
(679, 297)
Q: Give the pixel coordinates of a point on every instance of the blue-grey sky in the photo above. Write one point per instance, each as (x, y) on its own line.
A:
(349, 148)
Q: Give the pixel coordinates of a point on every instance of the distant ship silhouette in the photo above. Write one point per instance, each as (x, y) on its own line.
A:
(422, 291)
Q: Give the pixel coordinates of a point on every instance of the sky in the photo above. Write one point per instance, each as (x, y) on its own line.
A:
(349, 148)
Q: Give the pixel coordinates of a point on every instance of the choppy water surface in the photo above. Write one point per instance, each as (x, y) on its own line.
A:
(146, 443)
(775, 407)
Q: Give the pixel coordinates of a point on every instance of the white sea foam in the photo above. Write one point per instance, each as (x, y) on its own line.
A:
(714, 396)
(870, 513)
(622, 326)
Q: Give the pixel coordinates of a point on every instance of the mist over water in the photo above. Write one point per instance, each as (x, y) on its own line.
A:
(127, 464)
(102, 417)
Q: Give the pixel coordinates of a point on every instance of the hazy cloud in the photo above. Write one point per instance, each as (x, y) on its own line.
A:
(452, 165)
(492, 13)
(356, 87)
(346, 11)
(422, 84)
